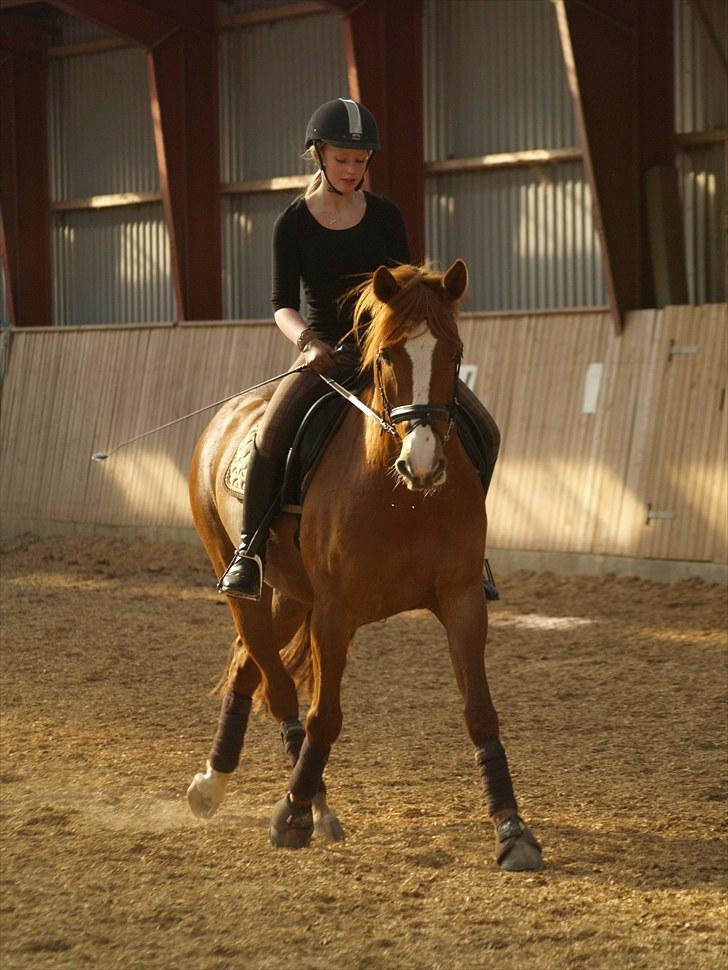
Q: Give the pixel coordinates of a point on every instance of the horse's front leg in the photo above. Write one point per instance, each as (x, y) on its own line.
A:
(305, 806)
(269, 625)
(465, 618)
(207, 790)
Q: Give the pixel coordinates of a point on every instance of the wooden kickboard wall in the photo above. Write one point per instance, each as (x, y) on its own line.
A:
(644, 472)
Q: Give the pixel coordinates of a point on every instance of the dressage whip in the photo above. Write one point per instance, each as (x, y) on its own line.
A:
(103, 455)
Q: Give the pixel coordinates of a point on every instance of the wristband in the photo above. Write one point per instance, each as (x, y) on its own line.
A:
(304, 339)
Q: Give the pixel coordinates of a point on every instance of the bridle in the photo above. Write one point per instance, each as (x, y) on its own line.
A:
(416, 415)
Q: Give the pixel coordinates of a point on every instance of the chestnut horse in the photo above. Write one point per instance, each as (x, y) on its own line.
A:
(392, 520)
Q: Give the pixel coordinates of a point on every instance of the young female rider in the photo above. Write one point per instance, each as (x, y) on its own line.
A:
(329, 239)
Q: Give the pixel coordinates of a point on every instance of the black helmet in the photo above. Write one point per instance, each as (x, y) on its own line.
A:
(343, 123)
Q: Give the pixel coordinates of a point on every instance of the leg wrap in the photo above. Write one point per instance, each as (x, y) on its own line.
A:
(491, 759)
(292, 736)
(307, 775)
(231, 727)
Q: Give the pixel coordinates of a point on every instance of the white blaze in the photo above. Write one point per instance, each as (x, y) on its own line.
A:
(420, 446)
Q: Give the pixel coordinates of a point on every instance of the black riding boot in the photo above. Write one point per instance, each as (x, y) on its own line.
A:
(489, 587)
(244, 576)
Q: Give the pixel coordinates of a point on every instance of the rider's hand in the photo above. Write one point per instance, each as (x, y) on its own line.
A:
(318, 356)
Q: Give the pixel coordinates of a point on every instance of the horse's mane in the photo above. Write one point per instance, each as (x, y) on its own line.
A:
(421, 296)
(378, 325)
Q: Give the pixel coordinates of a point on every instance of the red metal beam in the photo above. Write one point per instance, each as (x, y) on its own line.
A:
(183, 78)
(24, 195)
(181, 40)
(383, 43)
(143, 22)
(619, 62)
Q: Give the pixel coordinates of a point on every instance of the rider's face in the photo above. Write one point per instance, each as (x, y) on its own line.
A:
(345, 167)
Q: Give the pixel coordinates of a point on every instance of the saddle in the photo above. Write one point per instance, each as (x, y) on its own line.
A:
(318, 427)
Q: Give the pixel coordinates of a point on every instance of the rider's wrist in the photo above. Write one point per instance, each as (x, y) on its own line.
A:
(305, 339)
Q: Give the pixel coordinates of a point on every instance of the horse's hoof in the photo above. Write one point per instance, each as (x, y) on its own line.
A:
(326, 825)
(291, 826)
(205, 794)
(516, 848)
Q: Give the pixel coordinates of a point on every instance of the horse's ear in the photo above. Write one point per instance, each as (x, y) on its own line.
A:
(456, 280)
(385, 285)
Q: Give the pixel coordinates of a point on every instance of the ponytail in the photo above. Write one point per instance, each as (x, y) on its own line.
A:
(313, 184)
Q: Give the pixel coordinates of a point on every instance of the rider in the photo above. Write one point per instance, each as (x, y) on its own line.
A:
(330, 238)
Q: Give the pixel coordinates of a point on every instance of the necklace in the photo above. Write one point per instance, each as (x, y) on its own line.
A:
(332, 221)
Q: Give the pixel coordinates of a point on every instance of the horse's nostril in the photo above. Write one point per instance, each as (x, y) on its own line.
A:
(401, 466)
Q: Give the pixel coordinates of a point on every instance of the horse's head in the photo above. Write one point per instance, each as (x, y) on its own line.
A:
(413, 345)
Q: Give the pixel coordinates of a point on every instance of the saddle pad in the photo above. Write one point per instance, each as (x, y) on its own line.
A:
(236, 470)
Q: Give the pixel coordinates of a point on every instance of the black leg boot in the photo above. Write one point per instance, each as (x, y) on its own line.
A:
(490, 445)
(244, 576)
(489, 587)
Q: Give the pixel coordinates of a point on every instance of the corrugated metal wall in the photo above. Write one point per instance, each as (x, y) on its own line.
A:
(495, 82)
(701, 94)
(109, 265)
(264, 110)
(705, 213)
(569, 478)
(4, 307)
(495, 79)
(101, 138)
(527, 236)
(701, 104)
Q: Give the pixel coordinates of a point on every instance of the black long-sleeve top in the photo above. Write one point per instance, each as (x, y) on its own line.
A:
(330, 262)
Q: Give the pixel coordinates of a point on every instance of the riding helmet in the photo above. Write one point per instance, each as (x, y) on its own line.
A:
(343, 123)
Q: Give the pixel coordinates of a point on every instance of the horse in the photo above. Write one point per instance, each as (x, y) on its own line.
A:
(393, 520)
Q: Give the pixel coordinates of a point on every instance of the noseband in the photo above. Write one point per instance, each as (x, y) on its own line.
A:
(416, 415)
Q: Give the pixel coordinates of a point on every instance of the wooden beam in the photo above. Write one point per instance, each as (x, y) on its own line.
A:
(286, 11)
(24, 195)
(531, 156)
(114, 201)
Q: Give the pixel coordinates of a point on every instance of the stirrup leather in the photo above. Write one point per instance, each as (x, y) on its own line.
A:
(238, 586)
(489, 586)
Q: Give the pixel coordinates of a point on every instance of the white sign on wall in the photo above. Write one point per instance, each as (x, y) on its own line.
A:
(592, 384)
(469, 375)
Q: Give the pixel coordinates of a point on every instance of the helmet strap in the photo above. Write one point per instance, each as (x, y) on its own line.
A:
(330, 187)
(366, 169)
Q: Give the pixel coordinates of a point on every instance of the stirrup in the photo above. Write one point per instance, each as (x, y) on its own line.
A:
(489, 587)
(239, 581)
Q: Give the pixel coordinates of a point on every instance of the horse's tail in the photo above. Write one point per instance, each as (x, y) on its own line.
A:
(296, 659)
(220, 688)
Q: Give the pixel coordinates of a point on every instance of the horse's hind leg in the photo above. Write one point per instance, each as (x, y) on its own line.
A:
(464, 616)
(293, 817)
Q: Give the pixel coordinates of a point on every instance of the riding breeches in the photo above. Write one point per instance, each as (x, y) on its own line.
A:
(293, 397)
